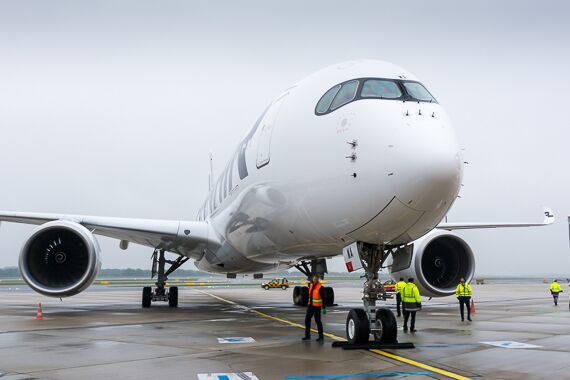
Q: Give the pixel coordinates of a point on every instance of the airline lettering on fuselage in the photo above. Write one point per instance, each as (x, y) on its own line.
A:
(225, 182)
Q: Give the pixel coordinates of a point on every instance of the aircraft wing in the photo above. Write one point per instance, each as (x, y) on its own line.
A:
(171, 235)
(548, 219)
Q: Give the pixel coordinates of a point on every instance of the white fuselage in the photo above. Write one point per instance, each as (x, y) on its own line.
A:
(304, 185)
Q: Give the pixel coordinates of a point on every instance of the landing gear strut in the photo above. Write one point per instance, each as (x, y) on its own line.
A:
(160, 292)
(310, 268)
(378, 321)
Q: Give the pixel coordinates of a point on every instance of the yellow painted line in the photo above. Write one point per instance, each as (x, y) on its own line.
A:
(420, 365)
(336, 337)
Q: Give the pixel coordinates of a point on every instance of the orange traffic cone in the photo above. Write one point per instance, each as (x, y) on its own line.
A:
(40, 313)
(472, 308)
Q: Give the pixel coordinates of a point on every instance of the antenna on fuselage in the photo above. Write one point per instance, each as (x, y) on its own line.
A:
(211, 179)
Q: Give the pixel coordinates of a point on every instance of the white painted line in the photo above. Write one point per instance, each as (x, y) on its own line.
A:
(510, 344)
(227, 376)
(236, 339)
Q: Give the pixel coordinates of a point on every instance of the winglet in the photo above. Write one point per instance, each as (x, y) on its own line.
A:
(548, 216)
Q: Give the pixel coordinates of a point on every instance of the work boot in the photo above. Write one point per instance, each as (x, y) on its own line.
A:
(306, 338)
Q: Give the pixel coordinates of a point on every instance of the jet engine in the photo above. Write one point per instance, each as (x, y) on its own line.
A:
(60, 259)
(436, 261)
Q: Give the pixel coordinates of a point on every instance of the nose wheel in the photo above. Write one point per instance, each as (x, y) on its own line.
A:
(161, 293)
(357, 327)
(379, 322)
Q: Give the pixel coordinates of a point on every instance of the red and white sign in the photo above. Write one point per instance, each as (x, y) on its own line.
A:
(352, 257)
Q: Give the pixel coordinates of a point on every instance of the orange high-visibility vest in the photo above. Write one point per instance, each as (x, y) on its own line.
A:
(315, 295)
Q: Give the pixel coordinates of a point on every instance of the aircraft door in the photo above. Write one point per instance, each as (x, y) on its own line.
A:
(264, 139)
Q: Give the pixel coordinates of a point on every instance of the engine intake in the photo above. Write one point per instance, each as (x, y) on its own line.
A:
(60, 259)
(437, 261)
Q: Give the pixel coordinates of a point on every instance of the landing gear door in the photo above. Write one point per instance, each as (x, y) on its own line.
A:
(267, 124)
(402, 258)
(352, 257)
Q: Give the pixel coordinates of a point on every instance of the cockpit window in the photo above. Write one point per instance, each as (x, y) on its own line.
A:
(325, 102)
(345, 95)
(418, 92)
(372, 88)
(380, 88)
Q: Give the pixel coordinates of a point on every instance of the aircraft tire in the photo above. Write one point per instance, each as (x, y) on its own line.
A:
(386, 321)
(146, 296)
(304, 296)
(357, 327)
(296, 295)
(300, 295)
(328, 294)
(173, 296)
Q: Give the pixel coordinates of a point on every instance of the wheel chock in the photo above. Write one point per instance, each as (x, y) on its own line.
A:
(374, 346)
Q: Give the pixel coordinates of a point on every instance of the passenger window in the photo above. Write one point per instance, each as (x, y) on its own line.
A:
(325, 102)
(418, 92)
(345, 95)
(378, 88)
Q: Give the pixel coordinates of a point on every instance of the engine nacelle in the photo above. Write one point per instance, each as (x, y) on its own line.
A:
(436, 261)
(60, 259)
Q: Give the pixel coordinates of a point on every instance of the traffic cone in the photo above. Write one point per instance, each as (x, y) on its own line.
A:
(472, 308)
(40, 313)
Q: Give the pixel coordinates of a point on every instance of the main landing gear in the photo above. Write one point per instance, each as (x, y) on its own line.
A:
(378, 321)
(301, 293)
(160, 293)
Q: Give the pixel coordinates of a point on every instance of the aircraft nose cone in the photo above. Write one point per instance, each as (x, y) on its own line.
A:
(429, 168)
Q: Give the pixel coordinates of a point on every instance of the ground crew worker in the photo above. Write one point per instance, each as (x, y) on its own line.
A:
(411, 303)
(555, 290)
(464, 293)
(314, 307)
(399, 287)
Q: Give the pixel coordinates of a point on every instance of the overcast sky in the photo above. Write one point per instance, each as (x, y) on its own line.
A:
(111, 107)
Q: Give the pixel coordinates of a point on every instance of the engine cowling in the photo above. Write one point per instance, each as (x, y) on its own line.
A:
(436, 261)
(60, 259)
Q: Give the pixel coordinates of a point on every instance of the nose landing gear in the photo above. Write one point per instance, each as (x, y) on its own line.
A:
(378, 321)
(161, 293)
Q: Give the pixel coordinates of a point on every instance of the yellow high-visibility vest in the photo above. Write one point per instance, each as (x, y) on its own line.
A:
(463, 290)
(411, 293)
(400, 286)
(555, 287)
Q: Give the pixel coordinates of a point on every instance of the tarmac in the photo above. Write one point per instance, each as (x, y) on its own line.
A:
(516, 333)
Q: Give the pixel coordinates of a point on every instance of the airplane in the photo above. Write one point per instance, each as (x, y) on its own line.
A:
(358, 159)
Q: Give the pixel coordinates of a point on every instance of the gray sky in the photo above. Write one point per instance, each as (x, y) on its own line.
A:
(111, 108)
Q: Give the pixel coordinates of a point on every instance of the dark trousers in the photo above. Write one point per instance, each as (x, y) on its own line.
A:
(465, 300)
(555, 296)
(316, 312)
(398, 303)
(413, 321)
